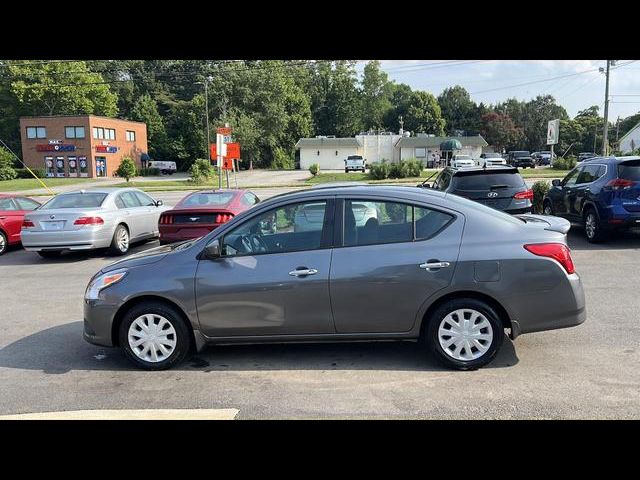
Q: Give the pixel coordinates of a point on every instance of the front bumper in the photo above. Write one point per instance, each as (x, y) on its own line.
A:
(98, 322)
(83, 239)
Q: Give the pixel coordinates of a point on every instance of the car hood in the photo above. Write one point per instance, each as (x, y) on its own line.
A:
(546, 222)
(147, 257)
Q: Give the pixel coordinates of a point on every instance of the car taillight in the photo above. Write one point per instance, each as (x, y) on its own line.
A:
(619, 184)
(89, 221)
(223, 217)
(526, 195)
(27, 224)
(557, 251)
(166, 219)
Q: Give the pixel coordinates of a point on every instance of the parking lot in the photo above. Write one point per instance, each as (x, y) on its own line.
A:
(585, 372)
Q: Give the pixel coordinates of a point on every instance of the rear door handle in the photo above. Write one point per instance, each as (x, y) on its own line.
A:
(434, 265)
(303, 272)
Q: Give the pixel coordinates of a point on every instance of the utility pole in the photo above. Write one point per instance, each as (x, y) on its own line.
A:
(206, 109)
(605, 145)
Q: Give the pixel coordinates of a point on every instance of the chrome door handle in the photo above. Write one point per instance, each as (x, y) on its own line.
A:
(303, 272)
(429, 265)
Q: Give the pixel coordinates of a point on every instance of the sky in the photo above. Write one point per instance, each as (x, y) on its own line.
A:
(575, 84)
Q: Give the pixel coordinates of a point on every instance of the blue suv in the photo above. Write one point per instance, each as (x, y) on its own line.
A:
(602, 193)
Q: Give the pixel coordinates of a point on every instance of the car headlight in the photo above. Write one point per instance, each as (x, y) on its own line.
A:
(103, 281)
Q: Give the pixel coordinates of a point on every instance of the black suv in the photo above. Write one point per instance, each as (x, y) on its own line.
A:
(500, 187)
(521, 158)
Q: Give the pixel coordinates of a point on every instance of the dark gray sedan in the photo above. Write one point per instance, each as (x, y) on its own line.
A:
(428, 265)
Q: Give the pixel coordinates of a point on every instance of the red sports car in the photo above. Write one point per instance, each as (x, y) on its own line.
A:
(200, 212)
(12, 210)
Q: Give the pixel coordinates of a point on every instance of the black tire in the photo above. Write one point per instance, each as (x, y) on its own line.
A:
(464, 303)
(4, 243)
(346, 170)
(117, 247)
(50, 254)
(596, 234)
(547, 208)
(182, 335)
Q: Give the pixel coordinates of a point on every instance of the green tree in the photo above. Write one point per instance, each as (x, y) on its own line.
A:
(145, 109)
(423, 114)
(127, 169)
(458, 110)
(376, 95)
(401, 98)
(499, 130)
(60, 88)
(7, 172)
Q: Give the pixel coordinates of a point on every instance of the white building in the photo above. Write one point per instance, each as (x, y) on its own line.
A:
(631, 140)
(330, 152)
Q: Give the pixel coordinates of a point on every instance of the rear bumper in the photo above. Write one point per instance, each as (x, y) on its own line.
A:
(86, 238)
(180, 233)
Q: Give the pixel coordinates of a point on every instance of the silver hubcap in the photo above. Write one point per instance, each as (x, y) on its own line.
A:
(152, 338)
(590, 225)
(465, 334)
(123, 240)
(3, 243)
(547, 209)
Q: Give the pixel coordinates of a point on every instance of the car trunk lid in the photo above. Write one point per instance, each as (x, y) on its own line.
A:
(546, 222)
(62, 219)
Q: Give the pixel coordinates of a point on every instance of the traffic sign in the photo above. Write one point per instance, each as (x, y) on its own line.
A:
(553, 131)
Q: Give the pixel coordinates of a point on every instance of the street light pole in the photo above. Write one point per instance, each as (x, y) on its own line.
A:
(606, 113)
(206, 108)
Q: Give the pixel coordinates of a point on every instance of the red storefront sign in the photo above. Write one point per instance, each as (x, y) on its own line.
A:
(55, 148)
(106, 149)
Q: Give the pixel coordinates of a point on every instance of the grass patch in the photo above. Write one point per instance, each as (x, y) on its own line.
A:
(33, 184)
(362, 177)
(542, 173)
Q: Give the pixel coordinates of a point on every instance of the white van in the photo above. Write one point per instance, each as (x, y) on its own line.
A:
(164, 167)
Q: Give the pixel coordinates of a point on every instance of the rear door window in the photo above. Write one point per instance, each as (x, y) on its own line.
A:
(6, 204)
(588, 174)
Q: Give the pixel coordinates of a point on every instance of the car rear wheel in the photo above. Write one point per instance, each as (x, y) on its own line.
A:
(465, 333)
(3, 243)
(154, 336)
(50, 254)
(593, 227)
(120, 241)
(547, 209)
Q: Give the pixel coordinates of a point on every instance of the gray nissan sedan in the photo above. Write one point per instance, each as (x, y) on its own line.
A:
(429, 265)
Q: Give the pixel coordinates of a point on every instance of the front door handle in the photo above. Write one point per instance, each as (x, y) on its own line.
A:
(433, 265)
(303, 272)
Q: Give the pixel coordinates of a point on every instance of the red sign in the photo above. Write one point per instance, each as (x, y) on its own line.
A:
(226, 131)
(227, 163)
(106, 149)
(55, 148)
(233, 151)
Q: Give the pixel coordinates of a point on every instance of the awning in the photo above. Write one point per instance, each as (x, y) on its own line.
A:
(450, 144)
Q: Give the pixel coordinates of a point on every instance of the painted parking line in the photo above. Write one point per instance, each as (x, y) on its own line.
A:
(153, 414)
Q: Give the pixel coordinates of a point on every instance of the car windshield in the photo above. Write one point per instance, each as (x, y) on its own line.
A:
(630, 170)
(484, 181)
(523, 153)
(493, 155)
(75, 200)
(206, 199)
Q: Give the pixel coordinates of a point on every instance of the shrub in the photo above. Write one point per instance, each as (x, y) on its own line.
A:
(201, 171)
(282, 160)
(540, 189)
(405, 168)
(564, 163)
(7, 172)
(314, 169)
(149, 172)
(24, 173)
(414, 167)
(127, 168)
(379, 171)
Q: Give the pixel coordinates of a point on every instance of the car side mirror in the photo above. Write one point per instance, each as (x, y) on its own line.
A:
(159, 203)
(212, 250)
(555, 182)
(424, 185)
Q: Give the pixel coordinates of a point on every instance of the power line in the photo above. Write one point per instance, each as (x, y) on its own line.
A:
(535, 81)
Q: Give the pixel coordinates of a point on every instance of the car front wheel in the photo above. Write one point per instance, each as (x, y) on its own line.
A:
(465, 333)
(154, 336)
(3, 243)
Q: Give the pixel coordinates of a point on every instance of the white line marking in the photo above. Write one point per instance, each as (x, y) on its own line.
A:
(159, 414)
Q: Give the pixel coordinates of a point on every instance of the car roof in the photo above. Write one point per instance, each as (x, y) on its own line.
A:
(488, 169)
(612, 159)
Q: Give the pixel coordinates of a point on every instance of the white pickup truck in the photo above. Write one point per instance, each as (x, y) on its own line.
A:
(164, 167)
(355, 163)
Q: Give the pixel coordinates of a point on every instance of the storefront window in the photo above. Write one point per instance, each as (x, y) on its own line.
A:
(48, 166)
(60, 167)
(73, 166)
(82, 163)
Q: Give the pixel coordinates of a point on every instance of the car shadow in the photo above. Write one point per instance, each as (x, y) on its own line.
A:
(622, 240)
(61, 349)
(16, 255)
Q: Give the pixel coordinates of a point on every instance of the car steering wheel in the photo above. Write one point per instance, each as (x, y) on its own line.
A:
(253, 243)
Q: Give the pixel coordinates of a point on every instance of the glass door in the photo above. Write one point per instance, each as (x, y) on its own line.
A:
(73, 166)
(101, 166)
(48, 167)
(60, 167)
(84, 168)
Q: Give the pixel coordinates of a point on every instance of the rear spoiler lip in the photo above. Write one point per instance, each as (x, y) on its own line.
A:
(554, 224)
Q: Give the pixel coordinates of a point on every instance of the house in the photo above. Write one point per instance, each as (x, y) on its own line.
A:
(330, 152)
(630, 141)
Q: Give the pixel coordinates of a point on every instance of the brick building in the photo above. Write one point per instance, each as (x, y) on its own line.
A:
(81, 145)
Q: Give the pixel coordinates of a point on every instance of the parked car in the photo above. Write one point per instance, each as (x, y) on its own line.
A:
(200, 212)
(355, 163)
(521, 159)
(166, 168)
(488, 159)
(602, 194)
(499, 187)
(89, 219)
(12, 211)
(585, 156)
(426, 268)
(459, 161)
(543, 158)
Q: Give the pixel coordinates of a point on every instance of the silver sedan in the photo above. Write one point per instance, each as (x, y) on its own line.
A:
(89, 219)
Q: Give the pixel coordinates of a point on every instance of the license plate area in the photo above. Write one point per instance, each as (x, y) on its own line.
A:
(52, 225)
